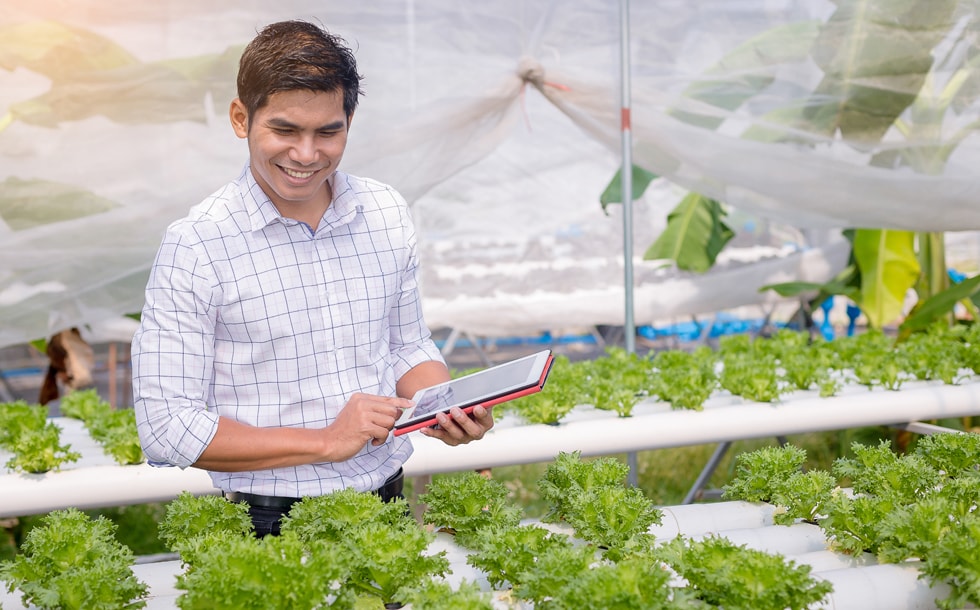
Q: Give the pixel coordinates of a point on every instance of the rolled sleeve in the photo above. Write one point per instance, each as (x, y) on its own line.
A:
(173, 359)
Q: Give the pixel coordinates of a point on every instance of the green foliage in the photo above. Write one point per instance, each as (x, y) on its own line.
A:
(114, 429)
(193, 523)
(557, 568)
(72, 562)
(610, 516)
(751, 377)
(34, 441)
(569, 476)
(952, 454)
(505, 553)
(271, 573)
(613, 193)
(330, 517)
(773, 475)
(389, 560)
(466, 503)
(684, 379)
(591, 497)
(727, 575)
(758, 473)
(630, 583)
(937, 306)
(956, 560)
(385, 549)
(695, 234)
(917, 506)
(137, 525)
(878, 470)
(616, 382)
(439, 595)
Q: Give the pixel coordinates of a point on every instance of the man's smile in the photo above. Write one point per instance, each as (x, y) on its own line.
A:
(296, 173)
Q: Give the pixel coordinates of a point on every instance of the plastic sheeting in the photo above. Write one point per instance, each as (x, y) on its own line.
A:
(499, 121)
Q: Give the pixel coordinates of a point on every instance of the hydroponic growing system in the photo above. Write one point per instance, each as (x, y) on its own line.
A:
(859, 581)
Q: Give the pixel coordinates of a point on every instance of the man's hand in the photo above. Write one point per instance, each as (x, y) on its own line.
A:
(365, 418)
(458, 428)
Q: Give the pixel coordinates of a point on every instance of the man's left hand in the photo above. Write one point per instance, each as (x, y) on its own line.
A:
(458, 428)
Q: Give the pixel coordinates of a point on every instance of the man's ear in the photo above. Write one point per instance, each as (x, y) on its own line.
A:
(239, 118)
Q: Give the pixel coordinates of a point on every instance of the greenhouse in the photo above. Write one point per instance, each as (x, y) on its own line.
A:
(765, 383)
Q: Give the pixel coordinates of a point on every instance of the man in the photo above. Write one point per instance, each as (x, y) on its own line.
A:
(282, 333)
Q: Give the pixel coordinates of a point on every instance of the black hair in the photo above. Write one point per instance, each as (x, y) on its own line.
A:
(291, 55)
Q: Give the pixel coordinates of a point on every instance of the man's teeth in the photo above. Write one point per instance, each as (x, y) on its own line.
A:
(296, 174)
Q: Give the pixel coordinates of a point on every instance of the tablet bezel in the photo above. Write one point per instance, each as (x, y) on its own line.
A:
(537, 366)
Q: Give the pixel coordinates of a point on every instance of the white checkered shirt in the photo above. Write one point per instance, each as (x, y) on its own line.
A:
(251, 316)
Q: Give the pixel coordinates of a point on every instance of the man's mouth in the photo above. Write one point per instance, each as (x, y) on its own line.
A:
(297, 174)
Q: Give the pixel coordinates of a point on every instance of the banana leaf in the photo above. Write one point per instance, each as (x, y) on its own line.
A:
(889, 268)
(747, 71)
(90, 75)
(940, 304)
(875, 58)
(29, 203)
(613, 192)
(59, 51)
(695, 234)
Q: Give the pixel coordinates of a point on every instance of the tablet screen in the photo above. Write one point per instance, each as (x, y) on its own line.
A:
(475, 388)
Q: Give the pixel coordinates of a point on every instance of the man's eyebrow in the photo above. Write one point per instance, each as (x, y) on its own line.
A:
(284, 124)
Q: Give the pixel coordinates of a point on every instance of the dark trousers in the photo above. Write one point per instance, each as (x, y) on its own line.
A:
(267, 511)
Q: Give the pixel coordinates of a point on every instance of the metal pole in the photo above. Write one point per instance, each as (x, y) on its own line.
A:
(629, 327)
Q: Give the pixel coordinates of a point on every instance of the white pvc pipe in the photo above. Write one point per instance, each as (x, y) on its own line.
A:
(825, 560)
(96, 487)
(702, 519)
(882, 587)
(793, 539)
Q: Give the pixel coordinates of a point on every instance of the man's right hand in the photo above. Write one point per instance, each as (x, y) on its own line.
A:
(365, 418)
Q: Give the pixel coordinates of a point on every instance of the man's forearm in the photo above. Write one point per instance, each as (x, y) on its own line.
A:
(239, 447)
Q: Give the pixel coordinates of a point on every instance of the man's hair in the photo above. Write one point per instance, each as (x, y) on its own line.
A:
(291, 55)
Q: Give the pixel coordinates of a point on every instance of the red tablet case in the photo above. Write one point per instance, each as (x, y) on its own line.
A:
(488, 403)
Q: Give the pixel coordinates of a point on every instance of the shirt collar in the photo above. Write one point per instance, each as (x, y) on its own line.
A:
(262, 212)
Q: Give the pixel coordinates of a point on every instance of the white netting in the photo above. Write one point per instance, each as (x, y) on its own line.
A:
(500, 121)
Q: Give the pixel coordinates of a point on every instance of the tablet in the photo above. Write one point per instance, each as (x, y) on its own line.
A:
(488, 387)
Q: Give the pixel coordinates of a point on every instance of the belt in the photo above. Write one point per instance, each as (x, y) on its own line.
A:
(391, 489)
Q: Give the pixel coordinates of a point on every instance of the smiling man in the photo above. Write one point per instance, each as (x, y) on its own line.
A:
(282, 333)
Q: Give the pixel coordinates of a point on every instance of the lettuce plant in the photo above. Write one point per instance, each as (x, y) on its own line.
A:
(269, 573)
(113, 429)
(569, 476)
(439, 595)
(505, 553)
(723, 574)
(72, 562)
(193, 523)
(384, 549)
(34, 440)
(466, 503)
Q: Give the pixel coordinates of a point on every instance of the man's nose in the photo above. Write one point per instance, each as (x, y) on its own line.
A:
(304, 151)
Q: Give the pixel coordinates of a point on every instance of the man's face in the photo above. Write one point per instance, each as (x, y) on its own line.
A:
(295, 143)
